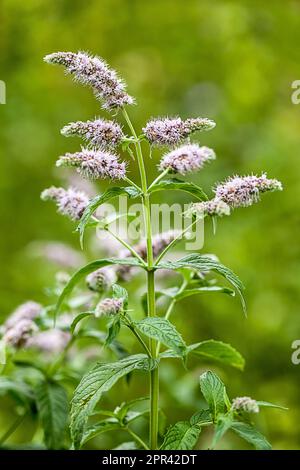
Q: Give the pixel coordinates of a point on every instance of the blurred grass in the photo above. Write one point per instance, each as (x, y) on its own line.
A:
(233, 61)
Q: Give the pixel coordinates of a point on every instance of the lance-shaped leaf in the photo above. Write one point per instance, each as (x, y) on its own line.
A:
(110, 424)
(204, 290)
(78, 319)
(179, 185)
(162, 330)
(52, 403)
(218, 351)
(222, 425)
(181, 436)
(99, 380)
(267, 404)
(97, 201)
(251, 435)
(214, 393)
(202, 418)
(205, 263)
(88, 268)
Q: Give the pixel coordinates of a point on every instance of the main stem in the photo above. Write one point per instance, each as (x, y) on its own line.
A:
(154, 374)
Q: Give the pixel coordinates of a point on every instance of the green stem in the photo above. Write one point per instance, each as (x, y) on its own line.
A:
(154, 376)
(12, 429)
(174, 242)
(139, 338)
(132, 183)
(126, 245)
(137, 438)
(160, 177)
(170, 309)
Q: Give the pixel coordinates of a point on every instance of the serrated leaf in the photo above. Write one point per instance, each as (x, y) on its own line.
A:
(97, 381)
(179, 185)
(214, 393)
(52, 403)
(88, 268)
(181, 436)
(218, 351)
(120, 292)
(204, 290)
(267, 404)
(251, 435)
(78, 319)
(205, 263)
(202, 418)
(106, 425)
(101, 199)
(163, 331)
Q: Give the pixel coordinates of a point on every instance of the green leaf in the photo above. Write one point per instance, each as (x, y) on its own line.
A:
(267, 404)
(97, 381)
(52, 403)
(120, 292)
(113, 330)
(214, 393)
(106, 425)
(101, 199)
(16, 388)
(131, 445)
(181, 436)
(179, 185)
(162, 330)
(251, 435)
(218, 351)
(204, 290)
(202, 418)
(205, 263)
(80, 317)
(88, 268)
(222, 426)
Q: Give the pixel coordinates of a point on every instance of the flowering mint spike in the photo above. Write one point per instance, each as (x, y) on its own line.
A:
(94, 164)
(168, 131)
(243, 191)
(19, 334)
(26, 311)
(98, 133)
(50, 341)
(108, 307)
(214, 207)
(94, 72)
(101, 280)
(246, 404)
(69, 202)
(186, 159)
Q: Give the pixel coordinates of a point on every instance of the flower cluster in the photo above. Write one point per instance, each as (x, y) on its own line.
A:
(246, 404)
(108, 307)
(94, 72)
(94, 164)
(168, 131)
(243, 191)
(69, 202)
(50, 341)
(101, 280)
(19, 334)
(186, 159)
(26, 311)
(98, 133)
(213, 207)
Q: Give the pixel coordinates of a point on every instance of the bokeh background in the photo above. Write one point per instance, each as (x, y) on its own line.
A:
(232, 61)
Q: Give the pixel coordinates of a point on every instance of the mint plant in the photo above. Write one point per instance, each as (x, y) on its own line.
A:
(156, 336)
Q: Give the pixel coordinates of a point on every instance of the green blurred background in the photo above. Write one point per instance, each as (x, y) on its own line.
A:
(232, 61)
